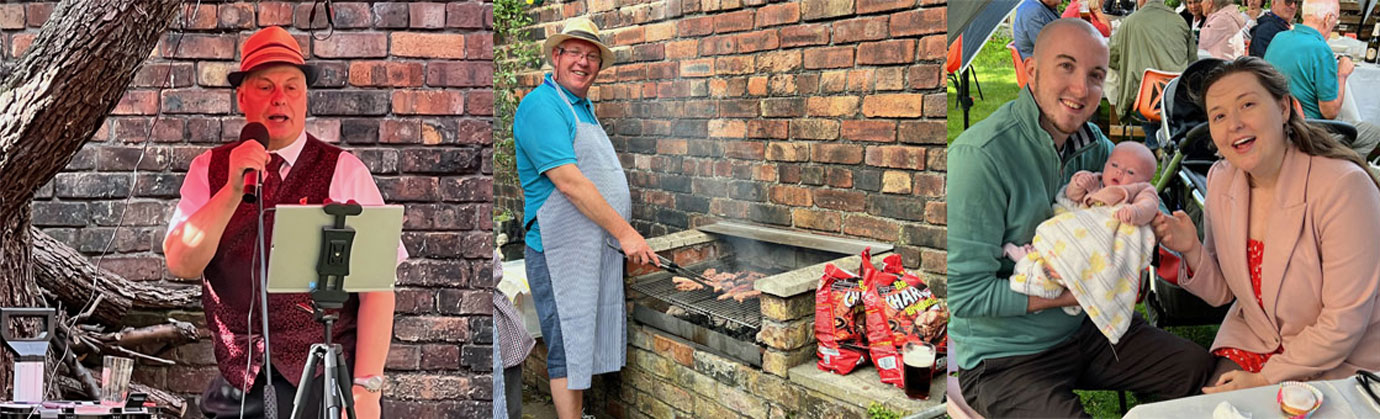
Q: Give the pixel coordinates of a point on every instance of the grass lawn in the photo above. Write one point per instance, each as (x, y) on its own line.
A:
(997, 77)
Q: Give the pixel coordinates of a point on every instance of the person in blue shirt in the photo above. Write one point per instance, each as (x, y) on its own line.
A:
(1031, 16)
(1316, 77)
(577, 205)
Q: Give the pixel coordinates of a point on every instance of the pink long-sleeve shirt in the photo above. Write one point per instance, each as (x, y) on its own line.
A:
(1142, 204)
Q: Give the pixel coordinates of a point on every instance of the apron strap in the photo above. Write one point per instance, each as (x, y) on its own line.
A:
(561, 91)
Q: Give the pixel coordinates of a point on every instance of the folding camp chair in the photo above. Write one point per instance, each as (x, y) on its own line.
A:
(1019, 64)
(1149, 97)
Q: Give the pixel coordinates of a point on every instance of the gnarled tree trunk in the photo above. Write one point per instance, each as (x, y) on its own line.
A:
(51, 102)
(67, 276)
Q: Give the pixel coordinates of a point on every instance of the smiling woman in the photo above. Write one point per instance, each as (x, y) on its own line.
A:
(1248, 126)
(1292, 203)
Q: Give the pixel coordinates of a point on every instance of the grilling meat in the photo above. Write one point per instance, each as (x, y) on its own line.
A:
(746, 295)
(685, 284)
(735, 285)
(736, 290)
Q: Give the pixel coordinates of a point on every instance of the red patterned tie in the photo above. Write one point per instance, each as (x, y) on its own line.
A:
(274, 178)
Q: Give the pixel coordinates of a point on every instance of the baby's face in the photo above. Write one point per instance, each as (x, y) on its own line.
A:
(1125, 167)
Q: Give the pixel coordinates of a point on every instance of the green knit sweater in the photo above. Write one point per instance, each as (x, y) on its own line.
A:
(1003, 175)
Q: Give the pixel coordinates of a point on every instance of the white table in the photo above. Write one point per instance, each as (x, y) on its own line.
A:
(1360, 103)
(1341, 399)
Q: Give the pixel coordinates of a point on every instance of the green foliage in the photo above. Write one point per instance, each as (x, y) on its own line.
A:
(514, 53)
(501, 215)
(997, 77)
(877, 411)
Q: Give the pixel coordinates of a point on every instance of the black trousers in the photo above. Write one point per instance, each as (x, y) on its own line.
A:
(1146, 360)
(222, 400)
(512, 383)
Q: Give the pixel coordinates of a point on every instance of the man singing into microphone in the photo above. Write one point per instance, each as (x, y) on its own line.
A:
(213, 235)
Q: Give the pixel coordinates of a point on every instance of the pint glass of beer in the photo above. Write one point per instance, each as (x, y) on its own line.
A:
(918, 360)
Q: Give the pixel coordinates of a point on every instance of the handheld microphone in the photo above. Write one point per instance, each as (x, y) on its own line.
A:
(257, 132)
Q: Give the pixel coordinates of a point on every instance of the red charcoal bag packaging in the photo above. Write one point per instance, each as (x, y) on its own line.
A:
(893, 299)
(928, 303)
(838, 314)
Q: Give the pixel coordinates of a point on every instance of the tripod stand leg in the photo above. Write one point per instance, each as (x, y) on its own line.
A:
(330, 406)
(345, 382)
(336, 395)
(313, 358)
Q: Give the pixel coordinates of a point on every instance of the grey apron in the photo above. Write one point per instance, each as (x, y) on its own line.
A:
(586, 275)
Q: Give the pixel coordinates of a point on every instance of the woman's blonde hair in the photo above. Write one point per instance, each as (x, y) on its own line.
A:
(1309, 138)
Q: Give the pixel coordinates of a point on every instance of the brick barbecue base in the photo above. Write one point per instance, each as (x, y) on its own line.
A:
(666, 378)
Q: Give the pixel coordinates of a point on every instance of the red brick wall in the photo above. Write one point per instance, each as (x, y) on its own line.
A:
(404, 85)
(822, 115)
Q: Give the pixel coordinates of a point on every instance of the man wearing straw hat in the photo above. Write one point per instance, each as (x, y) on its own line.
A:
(576, 210)
(213, 234)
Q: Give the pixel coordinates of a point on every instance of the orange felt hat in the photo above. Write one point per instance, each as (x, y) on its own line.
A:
(271, 45)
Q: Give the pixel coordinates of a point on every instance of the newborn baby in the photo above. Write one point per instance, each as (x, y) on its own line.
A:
(1097, 243)
(1125, 178)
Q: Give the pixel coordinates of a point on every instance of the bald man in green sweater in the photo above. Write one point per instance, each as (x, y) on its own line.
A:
(1015, 356)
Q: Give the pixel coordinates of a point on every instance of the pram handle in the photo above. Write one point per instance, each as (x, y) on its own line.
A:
(1198, 133)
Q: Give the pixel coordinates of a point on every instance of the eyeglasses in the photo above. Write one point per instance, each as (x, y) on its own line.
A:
(593, 57)
(1369, 383)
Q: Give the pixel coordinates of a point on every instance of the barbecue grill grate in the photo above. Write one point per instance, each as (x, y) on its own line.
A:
(703, 301)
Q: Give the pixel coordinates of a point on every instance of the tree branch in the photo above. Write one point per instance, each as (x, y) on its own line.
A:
(83, 376)
(75, 282)
(55, 97)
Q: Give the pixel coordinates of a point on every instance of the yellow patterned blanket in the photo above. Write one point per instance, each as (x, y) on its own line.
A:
(1096, 257)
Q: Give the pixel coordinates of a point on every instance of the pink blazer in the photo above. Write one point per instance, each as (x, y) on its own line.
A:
(1320, 275)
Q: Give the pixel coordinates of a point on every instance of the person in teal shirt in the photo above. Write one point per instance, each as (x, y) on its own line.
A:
(1016, 356)
(577, 206)
(544, 130)
(1316, 77)
(1031, 15)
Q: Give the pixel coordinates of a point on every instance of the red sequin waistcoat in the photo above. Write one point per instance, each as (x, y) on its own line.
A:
(230, 288)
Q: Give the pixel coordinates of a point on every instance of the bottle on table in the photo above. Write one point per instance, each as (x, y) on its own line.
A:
(1374, 44)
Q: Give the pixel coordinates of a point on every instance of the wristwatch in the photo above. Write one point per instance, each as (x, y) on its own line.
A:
(371, 383)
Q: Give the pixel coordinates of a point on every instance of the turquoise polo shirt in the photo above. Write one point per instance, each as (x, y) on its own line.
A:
(1303, 56)
(544, 138)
